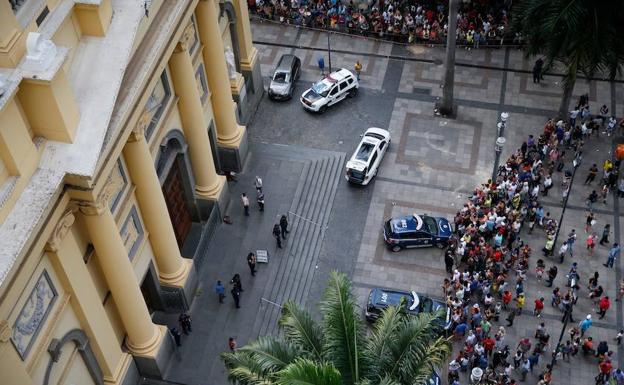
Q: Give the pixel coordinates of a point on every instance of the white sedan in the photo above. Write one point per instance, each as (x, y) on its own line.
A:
(365, 161)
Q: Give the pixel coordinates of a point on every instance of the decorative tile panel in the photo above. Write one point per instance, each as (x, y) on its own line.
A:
(33, 315)
(120, 180)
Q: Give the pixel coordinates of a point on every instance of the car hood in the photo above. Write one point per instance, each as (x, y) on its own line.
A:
(279, 88)
(311, 96)
(445, 228)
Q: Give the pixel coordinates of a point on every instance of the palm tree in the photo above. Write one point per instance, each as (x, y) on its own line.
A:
(400, 349)
(586, 36)
(446, 104)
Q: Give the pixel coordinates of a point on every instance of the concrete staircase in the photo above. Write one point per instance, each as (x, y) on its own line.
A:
(309, 216)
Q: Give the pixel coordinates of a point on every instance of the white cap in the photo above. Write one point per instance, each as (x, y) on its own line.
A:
(588, 316)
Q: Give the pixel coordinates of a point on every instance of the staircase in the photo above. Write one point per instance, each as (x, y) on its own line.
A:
(308, 218)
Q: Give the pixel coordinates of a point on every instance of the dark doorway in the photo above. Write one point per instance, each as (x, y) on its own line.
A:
(173, 190)
(150, 288)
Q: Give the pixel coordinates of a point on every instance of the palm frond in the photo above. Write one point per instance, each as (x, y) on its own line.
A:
(243, 369)
(300, 329)
(342, 328)
(379, 344)
(417, 349)
(390, 381)
(308, 372)
(270, 354)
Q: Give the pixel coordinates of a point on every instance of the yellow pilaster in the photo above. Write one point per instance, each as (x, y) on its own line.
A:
(248, 53)
(12, 45)
(66, 256)
(229, 133)
(172, 268)
(208, 183)
(11, 366)
(143, 336)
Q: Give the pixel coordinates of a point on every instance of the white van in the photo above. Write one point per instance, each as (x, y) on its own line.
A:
(365, 161)
(330, 90)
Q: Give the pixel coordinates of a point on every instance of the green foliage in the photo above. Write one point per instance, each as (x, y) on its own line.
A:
(401, 348)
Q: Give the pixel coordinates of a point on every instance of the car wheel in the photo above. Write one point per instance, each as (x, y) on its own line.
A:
(396, 248)
(352, 92)
(441, 245)
(322, 109)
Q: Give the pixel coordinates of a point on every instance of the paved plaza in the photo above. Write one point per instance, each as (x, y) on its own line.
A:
(431, 167)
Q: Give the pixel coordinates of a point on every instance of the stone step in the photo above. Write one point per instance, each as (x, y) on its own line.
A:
(297, 265)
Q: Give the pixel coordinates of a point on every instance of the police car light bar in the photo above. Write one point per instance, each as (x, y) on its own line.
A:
(416, 301)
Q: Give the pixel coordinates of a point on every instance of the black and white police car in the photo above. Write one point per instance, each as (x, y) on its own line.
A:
(414, 230)
(365, 161)
(379, 299)
(330, 90)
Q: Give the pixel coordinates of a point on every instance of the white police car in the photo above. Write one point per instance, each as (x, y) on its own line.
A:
(365, 161)
(330, 90)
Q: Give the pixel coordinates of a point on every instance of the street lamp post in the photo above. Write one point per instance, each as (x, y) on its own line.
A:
(329, 52)
(500, 142)
(575, 163)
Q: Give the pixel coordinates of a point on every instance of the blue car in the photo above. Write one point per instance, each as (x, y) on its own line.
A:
(416, 231)
(379, 299)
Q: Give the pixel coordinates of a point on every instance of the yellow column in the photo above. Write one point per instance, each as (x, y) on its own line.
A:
(229, 133)
(248, 53)
(65, 254)
(143, 336)
(12, 367)
(172, 268)
(208, 182)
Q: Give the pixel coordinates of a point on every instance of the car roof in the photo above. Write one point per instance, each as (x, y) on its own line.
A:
(339, 75)
(285, 62)
(393, 297)
(407, 223)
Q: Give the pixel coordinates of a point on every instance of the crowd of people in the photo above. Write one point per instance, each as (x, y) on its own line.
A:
(488, 263)
(482, 22)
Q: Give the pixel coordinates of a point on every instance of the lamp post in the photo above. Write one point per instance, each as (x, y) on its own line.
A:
(500, 141)
(575, 163)
(329, 52)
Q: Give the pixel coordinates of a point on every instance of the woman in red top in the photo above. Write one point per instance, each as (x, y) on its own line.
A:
(507, 297)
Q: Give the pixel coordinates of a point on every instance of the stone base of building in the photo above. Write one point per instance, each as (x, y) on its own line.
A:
(220, 203)
(129, 375)
(233, 158)
(183, 293)
(154, 364)
(254, 87)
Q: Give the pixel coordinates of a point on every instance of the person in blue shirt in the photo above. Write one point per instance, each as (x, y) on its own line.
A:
(585, 324)
(321, 64)
(613, 253)
(220, 290)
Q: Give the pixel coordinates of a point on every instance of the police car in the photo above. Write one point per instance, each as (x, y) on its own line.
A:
(365, 161)
(379, 299)
(416, 231)
(330, 90)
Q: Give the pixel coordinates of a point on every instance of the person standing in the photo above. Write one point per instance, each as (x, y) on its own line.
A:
(358, 69)
(603, 306)
(251, 262)
(552, 274)
(537, 70)
(236, 295)
(284, 226)
(232, 344)
(245, 201)
(593, 170)
(571, 240)
(613, 253)
(220, 290)
(585, 324)
(548, 183)
(258, 184)
(321, 64)
(449, 260)
(590, 220)
(605, 234)
(185, 323)
(591, 242)
(260, 200)
(236, 282)
(539, 306)
(277, 234)
(176, 336)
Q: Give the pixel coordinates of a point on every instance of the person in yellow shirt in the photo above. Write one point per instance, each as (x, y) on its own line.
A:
(520, 303)
(358, 69)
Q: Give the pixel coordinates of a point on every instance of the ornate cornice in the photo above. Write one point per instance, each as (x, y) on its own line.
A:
(96, 207)
(187, 37)
(60, 231)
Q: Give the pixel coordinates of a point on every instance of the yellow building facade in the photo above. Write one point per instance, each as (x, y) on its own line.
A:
(118, 121)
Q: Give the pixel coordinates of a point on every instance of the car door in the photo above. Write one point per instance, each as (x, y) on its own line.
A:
(343, 90)
(332, 96)
(409, 240)
(423, 239)
(296, 68)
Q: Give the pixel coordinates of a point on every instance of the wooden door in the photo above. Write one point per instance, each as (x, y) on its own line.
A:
(176, 204)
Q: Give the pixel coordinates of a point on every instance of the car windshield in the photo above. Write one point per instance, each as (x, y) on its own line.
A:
(321, 88)
(280, 77)
(431, 225)
(375, 135)
(364, 152)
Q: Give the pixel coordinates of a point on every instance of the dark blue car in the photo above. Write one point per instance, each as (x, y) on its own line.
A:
(379, 299)
(416, 231)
